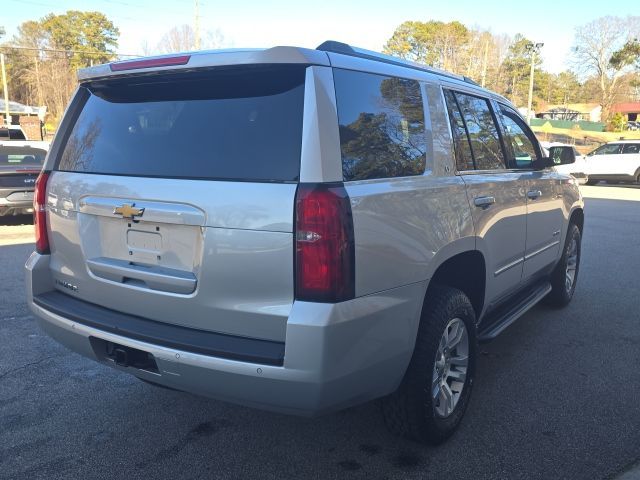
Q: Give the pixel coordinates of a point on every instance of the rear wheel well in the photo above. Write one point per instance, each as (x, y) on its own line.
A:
(466, 272)
(577, 218)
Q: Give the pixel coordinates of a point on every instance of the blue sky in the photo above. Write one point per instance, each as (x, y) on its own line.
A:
(254, 23)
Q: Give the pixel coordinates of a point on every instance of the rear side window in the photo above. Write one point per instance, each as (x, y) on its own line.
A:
(607, 149)
(631, 148)
(228, 124)
(482, 131)
(16, 134)
(382, 126)
(12, 133)
(464, 157)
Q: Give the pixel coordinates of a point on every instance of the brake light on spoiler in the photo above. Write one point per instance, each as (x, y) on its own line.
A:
(149, 63)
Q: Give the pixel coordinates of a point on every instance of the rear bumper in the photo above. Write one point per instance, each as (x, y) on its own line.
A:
(16, 202)
(335, 355)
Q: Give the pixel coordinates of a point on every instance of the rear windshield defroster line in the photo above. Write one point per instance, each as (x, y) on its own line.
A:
(241, 123)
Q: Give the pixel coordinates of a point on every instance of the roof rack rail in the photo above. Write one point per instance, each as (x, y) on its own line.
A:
(346, 49)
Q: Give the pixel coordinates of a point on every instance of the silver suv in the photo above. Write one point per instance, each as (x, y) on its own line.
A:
(298, 230)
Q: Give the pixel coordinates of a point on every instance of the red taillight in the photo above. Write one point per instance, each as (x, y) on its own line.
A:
(150, 63)
(325, 252)
(40, 213)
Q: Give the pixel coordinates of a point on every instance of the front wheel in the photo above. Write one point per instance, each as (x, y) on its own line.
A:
(434, 393)
(565, 275)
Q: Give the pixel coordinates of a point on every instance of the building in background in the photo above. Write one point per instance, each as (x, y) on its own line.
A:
(631, 110)
(31, 119)
(574, 112)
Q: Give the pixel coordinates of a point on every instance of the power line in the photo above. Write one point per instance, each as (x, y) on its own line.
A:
(57, 50)
(127, 4)
(30, 2)
(56, 7)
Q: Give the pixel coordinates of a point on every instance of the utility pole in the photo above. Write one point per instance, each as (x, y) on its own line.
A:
(197, 24)
(5, 88)
(484, 61)
(38, 83)
(533, 48)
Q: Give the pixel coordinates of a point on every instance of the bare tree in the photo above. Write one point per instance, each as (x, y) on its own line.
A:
(178, 39)
(183, 38)
(595, 43)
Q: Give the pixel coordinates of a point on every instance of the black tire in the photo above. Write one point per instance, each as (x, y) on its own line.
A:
(560, 294)
(411, 411)
(591, 182)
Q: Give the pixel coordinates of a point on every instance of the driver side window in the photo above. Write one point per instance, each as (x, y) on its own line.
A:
(523, 151)
(607, 149)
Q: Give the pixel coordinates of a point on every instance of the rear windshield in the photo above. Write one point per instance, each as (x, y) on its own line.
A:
(19, 158)
(229, 124)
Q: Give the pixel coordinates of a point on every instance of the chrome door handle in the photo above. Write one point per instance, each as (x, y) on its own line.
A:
(484, 202)
(533, 194)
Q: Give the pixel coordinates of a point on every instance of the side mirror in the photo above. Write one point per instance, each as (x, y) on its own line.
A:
(564, 155)
(542, 163)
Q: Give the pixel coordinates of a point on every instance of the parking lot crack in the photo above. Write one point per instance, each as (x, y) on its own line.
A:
(26, 365)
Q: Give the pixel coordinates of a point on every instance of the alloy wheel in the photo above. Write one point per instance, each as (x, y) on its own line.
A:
(572, 265)
(450, 369)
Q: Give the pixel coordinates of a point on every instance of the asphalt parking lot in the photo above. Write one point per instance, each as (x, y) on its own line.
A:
(556, 396)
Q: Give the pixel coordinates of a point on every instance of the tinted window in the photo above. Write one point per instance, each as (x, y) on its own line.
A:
(522, 152)
(240, 123)
(12, 133)
(381, 122)
(631, 148)
(464, 157)
(608, 149)
(482, 130)
(16, 134)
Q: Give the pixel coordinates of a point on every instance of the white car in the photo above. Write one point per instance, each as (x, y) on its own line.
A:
(615, 162)
(12, 132)
(578, 169)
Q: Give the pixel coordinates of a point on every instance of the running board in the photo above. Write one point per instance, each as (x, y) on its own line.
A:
(497, 322)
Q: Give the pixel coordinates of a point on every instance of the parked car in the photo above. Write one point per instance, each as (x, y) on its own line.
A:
(298, 230)
(11, 132)
(20, 164)
(577, 169)
(615, 162)
(633, 125)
